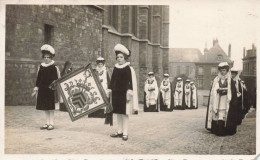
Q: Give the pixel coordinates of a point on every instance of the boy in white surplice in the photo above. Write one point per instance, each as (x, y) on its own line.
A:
(165, 94)
(178, 94)
(187, 93)
(150, 94)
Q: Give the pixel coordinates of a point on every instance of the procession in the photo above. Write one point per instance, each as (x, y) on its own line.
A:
(110, 79)
(228, 100)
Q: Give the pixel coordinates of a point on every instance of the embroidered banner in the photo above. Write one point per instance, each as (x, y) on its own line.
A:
(82, 92)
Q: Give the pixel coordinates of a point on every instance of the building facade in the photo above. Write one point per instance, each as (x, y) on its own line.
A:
(182, 62)
(249, 69)
(81, 34)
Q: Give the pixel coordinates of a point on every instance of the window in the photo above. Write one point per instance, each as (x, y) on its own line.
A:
(200, 70)
(48, 34)
(150, 23)
(200, 82)
(220, 57)
(214, 71)
(114, 17)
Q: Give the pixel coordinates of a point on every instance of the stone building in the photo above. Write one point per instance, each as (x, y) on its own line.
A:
(207, 66)
(182, 62)
(249, 70)
(81, 34)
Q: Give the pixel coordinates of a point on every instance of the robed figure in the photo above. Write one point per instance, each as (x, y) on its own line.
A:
(222, 110)
(194, 96)
(166, 100)
(104, 78)
(242, 97)
(187, 94)
(179, 95)
(245, 98)
(151, 94)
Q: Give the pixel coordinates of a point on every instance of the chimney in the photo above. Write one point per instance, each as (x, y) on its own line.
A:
(253, 46)
(229, 50)
(215, 41)
(244, 52)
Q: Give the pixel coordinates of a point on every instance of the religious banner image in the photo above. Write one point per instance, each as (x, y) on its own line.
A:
(82, 93)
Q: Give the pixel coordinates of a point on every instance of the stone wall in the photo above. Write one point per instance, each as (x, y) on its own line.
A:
(75, 33)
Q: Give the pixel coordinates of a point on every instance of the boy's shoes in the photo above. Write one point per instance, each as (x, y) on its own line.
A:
(50, 127)
(116, 135)
(44, 127)
(125, 138)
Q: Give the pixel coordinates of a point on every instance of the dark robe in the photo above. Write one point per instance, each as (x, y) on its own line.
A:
(45, 97)
(239, 104)
(121, 81)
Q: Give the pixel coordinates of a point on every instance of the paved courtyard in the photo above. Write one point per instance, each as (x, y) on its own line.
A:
(177, 132)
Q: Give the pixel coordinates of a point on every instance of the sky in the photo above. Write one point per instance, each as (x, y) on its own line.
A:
(194, 24)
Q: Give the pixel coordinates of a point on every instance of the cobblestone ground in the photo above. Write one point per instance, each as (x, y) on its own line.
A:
(177, 132)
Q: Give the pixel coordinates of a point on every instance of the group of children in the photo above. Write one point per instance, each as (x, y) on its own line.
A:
(228, 101)
(170, 95)
(121, 89)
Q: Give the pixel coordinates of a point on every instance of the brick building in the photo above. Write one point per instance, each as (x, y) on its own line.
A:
(207, 66)
(182, 62)
(80, 34)
(249, 69)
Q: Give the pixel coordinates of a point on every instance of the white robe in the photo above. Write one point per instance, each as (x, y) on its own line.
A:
(219, 106)
(187, 94)
(178, 94)
(151, 96)
(102, 75)
(194, 96)
(165, 89)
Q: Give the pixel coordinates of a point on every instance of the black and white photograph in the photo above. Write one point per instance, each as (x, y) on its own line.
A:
(129, 80)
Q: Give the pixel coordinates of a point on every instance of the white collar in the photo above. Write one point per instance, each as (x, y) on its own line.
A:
(49, 64)
(122, 66)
